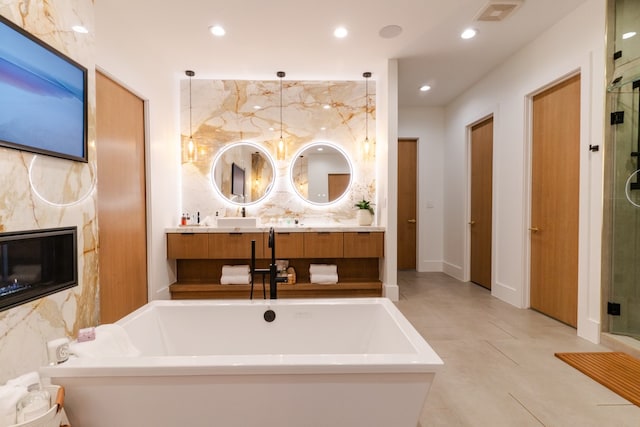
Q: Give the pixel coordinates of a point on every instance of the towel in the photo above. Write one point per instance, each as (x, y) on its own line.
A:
(324, 279)
(9, 397)
(25, 380)
(235, 279)
(323, 269)
(111, 341)
(235, 270)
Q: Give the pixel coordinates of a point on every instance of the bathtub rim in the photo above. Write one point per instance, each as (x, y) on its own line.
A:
(424, 360)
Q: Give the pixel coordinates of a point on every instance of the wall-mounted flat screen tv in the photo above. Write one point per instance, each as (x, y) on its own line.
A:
(43, 97)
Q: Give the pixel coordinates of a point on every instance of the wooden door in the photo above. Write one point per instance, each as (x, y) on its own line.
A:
(481, 202)
(338, 183)
(407, 183)
(121, 200)
(554, 203)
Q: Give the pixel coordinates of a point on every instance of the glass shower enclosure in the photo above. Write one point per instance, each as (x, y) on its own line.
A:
(623, 300)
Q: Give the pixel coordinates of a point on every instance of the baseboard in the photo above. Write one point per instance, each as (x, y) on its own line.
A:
(622, 343)
(507, 294)
(430, 267)
(391, 291)
(452, 270)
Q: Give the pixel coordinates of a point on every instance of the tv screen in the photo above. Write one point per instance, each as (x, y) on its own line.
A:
(237, 180)
(43, 97)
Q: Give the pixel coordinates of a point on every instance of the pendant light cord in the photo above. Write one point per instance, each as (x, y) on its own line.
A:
(366, 76)
(190, 74)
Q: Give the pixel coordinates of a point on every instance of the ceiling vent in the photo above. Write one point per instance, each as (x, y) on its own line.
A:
(498, 10)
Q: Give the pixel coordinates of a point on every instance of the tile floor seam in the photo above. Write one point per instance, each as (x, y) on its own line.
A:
(501, 352)
(527, 409)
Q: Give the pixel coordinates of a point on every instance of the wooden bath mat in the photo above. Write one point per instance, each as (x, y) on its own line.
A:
(617, 371)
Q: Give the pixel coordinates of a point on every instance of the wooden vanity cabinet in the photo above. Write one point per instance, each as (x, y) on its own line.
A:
(235, 245)
(323, 245)
(288, 245)
(187, 246)
(200, 258)
(363, 244)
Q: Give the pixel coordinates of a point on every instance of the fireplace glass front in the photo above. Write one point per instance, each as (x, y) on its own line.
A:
(36, 263)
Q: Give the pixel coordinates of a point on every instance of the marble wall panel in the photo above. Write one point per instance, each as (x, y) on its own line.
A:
(225, 112)
(45, 192)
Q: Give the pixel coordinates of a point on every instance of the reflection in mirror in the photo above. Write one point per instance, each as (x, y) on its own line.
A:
(321, 173)
(243, 173)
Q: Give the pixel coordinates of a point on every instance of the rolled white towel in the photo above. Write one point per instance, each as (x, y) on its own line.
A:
(324, 279)
(9, 397)
(235, 279)
(111, 341)
(235, 270)
(323, 269)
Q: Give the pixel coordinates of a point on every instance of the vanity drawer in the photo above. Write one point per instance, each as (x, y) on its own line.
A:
(288, 245)
(187, 246)
(235, 245)
(323, 245)
(364, 244)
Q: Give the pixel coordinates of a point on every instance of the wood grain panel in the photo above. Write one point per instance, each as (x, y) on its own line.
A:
(554, 201)
(363, 245)
(235, 245)
(323, 245)
(187, 246)
(481, 202)
(288, 245)
(407, 210)
(121, 198)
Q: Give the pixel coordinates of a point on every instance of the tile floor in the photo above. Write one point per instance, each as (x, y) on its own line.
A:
(499, 364)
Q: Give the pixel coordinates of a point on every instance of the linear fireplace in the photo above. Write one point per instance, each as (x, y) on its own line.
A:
(36, 263)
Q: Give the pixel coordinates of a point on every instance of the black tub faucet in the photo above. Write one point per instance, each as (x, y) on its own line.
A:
(273, 269)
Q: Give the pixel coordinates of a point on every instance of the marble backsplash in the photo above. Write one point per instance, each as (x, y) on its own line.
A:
(226, 112)
(45, 192)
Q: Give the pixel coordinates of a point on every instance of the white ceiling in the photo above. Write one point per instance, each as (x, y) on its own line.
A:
(265, 36)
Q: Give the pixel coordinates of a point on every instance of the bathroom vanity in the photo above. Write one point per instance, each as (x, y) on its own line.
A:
(200, 253)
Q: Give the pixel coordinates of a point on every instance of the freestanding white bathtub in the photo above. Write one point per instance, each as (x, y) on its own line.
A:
(342, 362)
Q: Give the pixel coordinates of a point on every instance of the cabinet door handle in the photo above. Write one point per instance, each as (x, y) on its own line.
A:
(472, 223)
(411, 221)
(235, 234)
(534, 229)
(364, 232)
(282, 234)
(187, 234)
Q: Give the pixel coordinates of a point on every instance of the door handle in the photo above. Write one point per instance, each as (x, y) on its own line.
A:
(472, 223)
(411, 221)
(534, 229)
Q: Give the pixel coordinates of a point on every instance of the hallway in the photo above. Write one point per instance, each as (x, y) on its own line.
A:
(500, 368)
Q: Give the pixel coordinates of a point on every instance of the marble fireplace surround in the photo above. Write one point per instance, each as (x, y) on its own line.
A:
(226, 112)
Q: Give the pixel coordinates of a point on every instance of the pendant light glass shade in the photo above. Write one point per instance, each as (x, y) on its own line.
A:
(190, 148)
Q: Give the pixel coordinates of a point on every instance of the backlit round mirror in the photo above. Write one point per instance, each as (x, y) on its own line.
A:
(243, 173)
(321, 173)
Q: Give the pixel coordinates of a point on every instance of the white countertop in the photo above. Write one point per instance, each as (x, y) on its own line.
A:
(265, 229)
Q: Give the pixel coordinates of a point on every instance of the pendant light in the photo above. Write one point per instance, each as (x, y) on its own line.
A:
(366, 147)
(190, 153)
(281, 145)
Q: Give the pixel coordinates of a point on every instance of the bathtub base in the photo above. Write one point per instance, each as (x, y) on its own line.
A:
(334, 400)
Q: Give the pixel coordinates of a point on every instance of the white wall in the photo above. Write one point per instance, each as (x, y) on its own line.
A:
(427, 125)
(577, 43)
(148, 76)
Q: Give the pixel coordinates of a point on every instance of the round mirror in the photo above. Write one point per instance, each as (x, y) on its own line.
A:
(243, 173)
(321, 173)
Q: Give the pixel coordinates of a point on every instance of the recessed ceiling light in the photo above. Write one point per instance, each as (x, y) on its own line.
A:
(80, 29)
(469, 33)
(320, 149)
(326, 106)
(628, 35)
(390, 31)
(340, 32)
(217, 30)
(256, 107)
(425, 88)
(323, 128)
